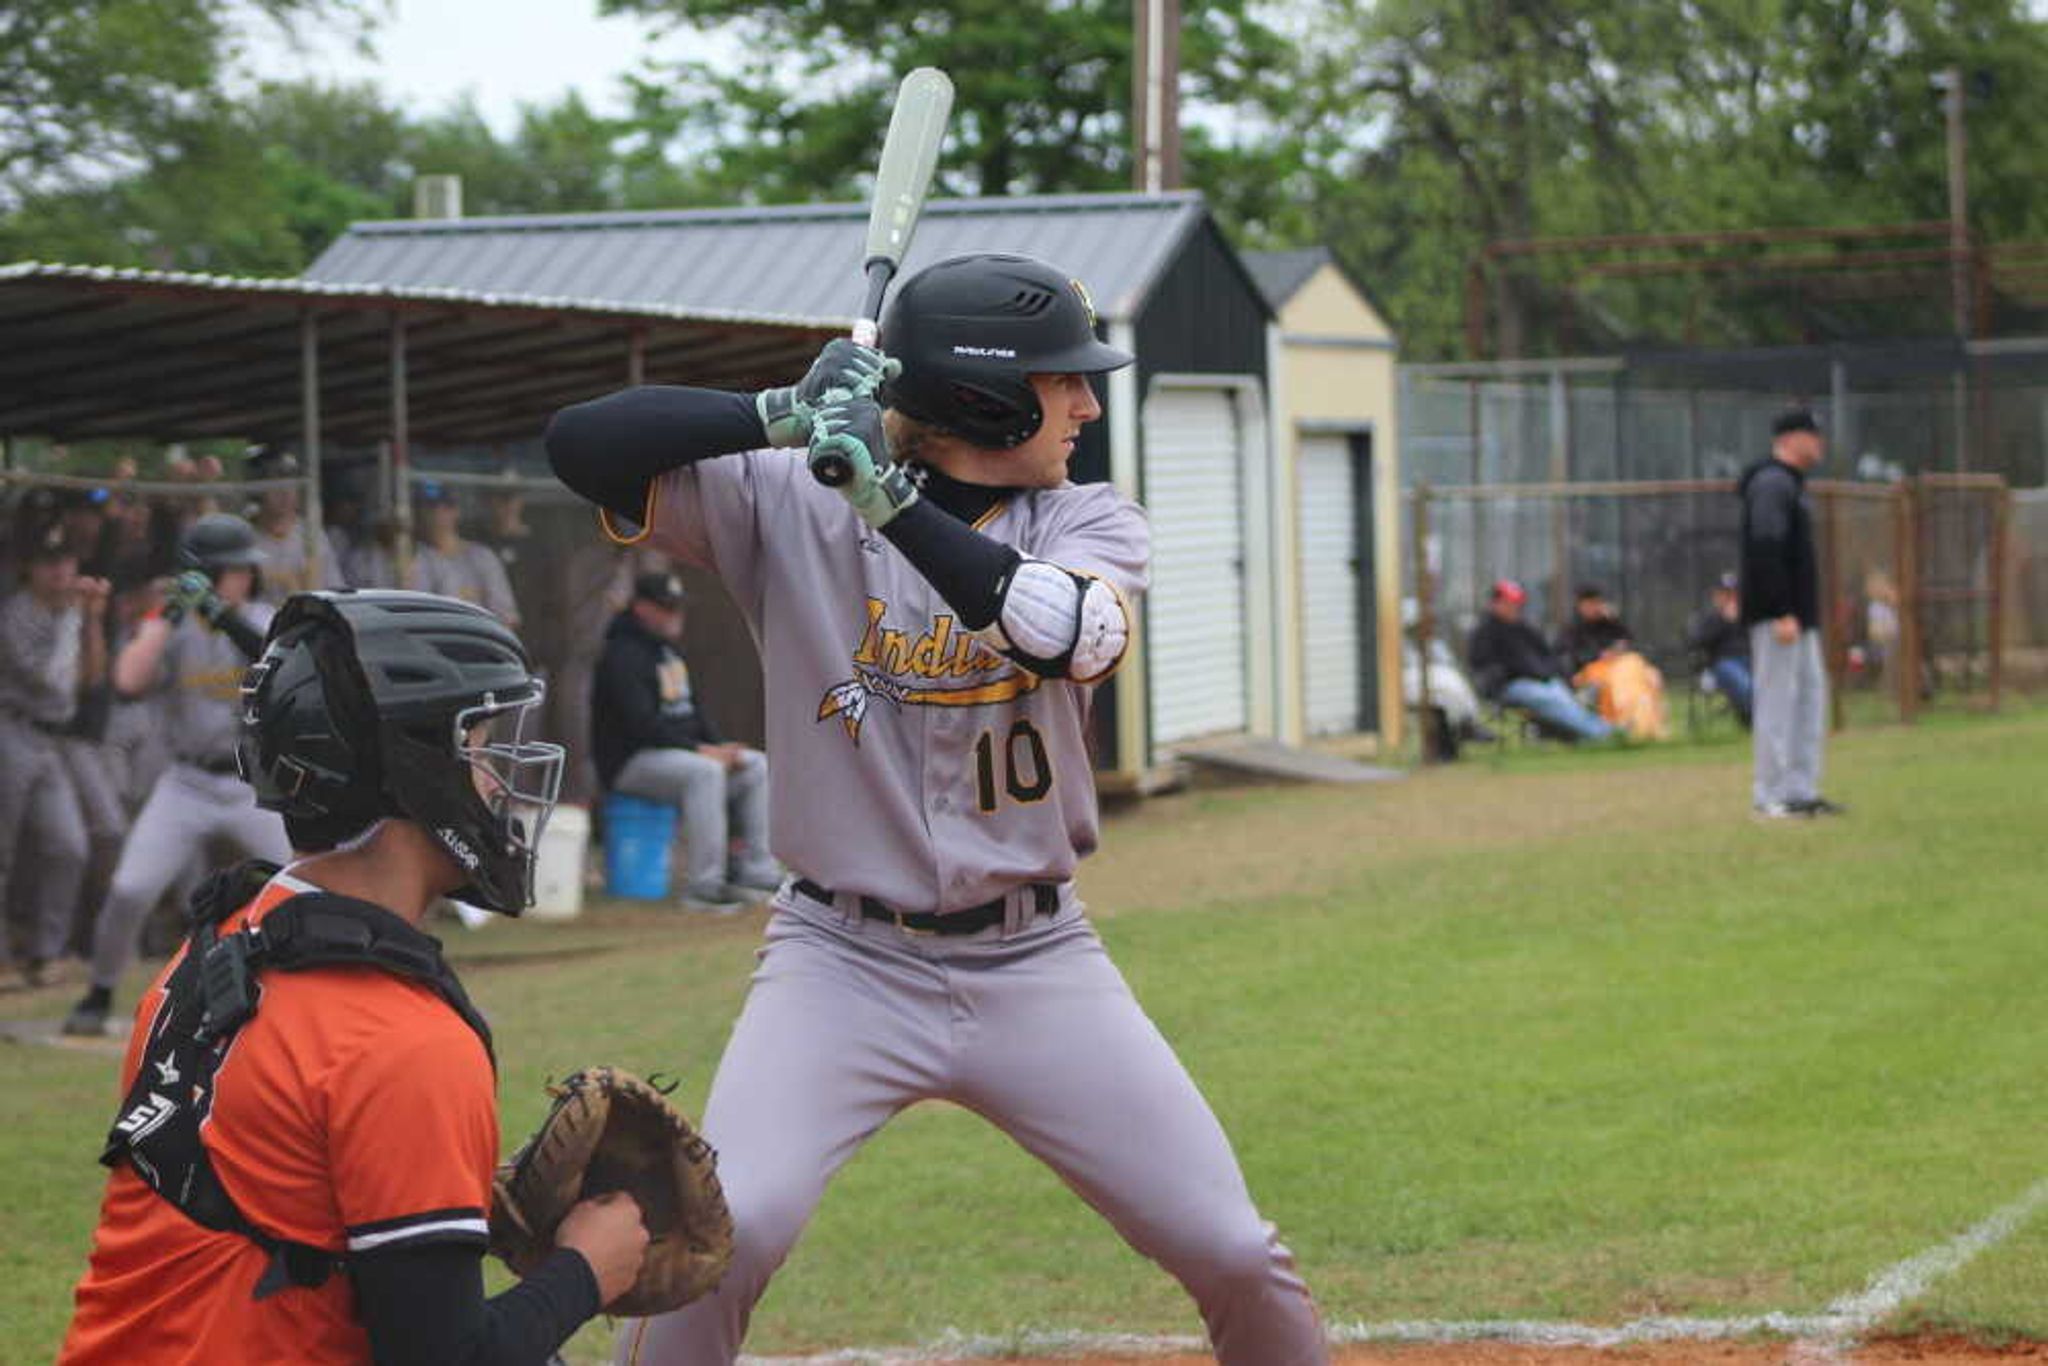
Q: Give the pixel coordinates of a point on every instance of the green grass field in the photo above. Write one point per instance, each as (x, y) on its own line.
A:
(1559, 1036)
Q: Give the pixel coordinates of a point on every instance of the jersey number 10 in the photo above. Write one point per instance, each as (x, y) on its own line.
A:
(1023, 750)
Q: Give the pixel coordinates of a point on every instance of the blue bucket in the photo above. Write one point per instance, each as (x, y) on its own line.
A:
(638, 838)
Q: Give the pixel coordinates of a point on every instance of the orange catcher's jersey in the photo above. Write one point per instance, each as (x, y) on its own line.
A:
(355, 1111)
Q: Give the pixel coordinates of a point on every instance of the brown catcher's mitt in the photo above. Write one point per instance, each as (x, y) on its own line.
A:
(611, 1131)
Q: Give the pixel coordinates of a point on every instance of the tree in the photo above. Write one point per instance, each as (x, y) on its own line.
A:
(1041, 105)
(92, 88)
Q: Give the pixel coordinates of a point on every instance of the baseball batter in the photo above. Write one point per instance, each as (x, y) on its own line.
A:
(195, 653)
(931, 634)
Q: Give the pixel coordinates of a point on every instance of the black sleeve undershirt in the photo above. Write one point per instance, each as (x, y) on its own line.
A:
(425, 1306)
(241, 634)
(612, 449)
(970, 570)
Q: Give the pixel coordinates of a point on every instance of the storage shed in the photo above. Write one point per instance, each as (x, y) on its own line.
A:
(1339, 483)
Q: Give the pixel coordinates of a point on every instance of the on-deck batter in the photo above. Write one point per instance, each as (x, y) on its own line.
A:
(930, 637)
(196, 654)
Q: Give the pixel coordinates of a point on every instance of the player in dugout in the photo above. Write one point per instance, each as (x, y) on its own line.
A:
(301, 1167)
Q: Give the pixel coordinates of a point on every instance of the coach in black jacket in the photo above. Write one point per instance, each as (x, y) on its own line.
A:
(1781, 609)
(651, 740)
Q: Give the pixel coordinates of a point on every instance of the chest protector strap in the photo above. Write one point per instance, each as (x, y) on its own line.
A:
(214, 991)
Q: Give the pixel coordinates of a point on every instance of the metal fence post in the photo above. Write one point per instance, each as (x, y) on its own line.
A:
(1832, 636)
(2001, 550)
(401, 452)
(1906, 650)
(309, 417)
(1425, 620)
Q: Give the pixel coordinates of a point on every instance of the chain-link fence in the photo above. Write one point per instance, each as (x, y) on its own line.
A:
(1914, 575)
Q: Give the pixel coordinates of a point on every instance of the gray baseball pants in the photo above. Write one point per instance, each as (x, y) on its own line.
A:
(1791, 715)
(39, 812)
(714, 802)
(849, 1021)
(188, 810)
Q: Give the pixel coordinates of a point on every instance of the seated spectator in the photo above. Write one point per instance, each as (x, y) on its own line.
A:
(1453, 707)
(651, 740)
(1513, 665)
(1722, 643)
(443, 562)
(1628, 689)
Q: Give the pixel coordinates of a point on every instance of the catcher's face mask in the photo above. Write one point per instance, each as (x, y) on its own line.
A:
(488, 811)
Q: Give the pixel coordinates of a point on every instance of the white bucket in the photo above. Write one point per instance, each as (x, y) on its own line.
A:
(558, 872)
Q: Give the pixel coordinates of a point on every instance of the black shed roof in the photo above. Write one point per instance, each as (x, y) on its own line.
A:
(797, 263)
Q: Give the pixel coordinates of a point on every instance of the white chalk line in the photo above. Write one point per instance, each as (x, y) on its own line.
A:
(1853, 1315)
(1817, 1338)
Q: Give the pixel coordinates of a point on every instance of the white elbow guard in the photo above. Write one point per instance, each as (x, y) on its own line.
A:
(1060, 624)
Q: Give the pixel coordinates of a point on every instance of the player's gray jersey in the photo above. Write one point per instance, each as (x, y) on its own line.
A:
(201, 678)
(285, 570)
(473, 573)
(913, 763)
(39, 655)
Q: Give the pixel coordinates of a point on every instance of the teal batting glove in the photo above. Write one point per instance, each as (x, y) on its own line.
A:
(192, 592)
(850, 452)
(843, 370)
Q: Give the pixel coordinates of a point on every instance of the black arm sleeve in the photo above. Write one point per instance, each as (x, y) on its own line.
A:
(612, 449)
(245, 637)
(970, 570)
(425, 1306)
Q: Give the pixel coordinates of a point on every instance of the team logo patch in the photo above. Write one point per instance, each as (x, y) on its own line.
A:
(946, 666)
(1087, 300)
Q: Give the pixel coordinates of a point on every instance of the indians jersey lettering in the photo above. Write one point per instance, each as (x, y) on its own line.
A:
(923, 768)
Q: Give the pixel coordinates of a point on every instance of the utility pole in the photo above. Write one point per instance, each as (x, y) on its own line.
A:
(1155, 95)
(1950, 83)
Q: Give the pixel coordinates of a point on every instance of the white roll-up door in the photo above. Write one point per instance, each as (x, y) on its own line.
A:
(1195, 613)
(1330, 586)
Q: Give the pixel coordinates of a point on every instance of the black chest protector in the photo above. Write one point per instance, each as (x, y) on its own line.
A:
(213, 993)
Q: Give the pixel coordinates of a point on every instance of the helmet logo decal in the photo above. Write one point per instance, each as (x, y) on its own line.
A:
(460, 848)
(1087, 301)
(986, 352)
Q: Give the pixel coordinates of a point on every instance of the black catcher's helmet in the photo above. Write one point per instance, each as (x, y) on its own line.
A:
(217, 541)
(972, 329)
(387, 703)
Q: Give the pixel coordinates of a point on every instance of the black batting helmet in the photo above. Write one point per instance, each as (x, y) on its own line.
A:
(217, 541)
(970, 332)
(387, 703)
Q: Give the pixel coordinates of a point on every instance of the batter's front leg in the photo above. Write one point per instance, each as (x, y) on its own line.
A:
(1065, 1061)
(815, 1065)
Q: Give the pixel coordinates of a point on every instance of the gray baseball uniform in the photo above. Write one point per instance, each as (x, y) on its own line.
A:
(199, 799)
(472, 572)
(39, 802)
(936, 775)
(285, 570)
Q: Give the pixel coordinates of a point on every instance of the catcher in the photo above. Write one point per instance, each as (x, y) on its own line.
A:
(303, 1163)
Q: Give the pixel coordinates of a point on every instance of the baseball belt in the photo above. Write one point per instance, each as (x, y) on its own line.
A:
(1045, 900)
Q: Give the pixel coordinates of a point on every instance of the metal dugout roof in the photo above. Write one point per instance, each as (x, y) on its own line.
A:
(95, 351)
(797, 261)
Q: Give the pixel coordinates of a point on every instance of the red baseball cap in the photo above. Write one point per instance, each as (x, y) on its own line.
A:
(1510, 590)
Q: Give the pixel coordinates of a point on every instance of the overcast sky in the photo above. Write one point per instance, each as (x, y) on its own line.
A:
(504, 52)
